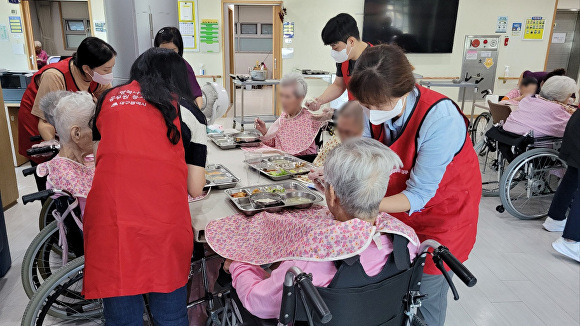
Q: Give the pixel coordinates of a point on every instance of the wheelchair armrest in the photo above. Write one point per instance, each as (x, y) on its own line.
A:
(547, 139)
(296, 282)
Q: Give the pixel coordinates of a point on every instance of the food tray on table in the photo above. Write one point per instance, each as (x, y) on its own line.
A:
(240, 139)
(272, 198)
(280, 167)
(218, 176)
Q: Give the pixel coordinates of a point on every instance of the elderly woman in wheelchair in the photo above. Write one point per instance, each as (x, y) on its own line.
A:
(359, 260)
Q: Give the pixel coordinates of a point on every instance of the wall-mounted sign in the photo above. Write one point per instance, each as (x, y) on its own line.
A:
(209, 35)
(534, 28)
(15, 24)
(502, 24)
(516, 29)
(559, 38)
(288, 29)
(187, 14)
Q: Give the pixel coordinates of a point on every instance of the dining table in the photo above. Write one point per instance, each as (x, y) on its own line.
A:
(217, 204)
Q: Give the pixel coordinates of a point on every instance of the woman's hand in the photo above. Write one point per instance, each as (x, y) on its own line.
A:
(260, 125)
(313, 105)
(227, 264)
(326, 115)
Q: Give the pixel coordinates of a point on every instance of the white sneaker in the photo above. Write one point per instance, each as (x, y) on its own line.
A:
(567, 248)
(552, 225)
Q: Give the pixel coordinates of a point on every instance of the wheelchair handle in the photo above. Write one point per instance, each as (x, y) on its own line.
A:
(36, 138)
(304, 282)
(456, 266)
(42, 150)
(37, 195)
(29, 171)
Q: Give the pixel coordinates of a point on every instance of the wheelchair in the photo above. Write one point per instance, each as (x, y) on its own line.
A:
(392, 300)
(524, 171)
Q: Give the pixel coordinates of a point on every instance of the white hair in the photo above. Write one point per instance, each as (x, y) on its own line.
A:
(48, 103)
(37, 44)
(558, 88)
(359, 171)
(297, 81)
(75, 109)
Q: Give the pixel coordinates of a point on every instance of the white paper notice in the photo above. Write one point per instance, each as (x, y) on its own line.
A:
(485, 54)
(188, 41)
(471, 55)
(185, 11)
(559, 38)
(287, 53)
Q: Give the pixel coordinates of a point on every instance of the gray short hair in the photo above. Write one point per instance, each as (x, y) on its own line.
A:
(295, 79)
(76, 109)
(558, 88)
(48, 103)
(359, 171)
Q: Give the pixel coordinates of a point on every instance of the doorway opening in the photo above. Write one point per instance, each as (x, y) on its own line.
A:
(59, 26)
(252, 40)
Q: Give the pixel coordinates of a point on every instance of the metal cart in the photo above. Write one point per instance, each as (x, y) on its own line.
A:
(462, 85)
(243, 119)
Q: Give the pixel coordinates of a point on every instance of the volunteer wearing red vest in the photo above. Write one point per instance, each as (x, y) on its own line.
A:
(437, 192)
(342, 34)
(137, 226)
(90, 69)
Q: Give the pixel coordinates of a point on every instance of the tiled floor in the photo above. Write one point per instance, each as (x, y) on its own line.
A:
(521, 280)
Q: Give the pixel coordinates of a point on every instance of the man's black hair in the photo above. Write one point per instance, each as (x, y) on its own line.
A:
(339, 29)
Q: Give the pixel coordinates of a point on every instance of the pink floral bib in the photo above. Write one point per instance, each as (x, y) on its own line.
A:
(311, 235)
(296, 135)
(65, 174)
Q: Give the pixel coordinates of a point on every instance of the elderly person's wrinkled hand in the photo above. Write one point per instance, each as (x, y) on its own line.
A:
(260, 125)
(326, 115)
(313, 105)
(227, 264)
(317, 177)
(43, 144)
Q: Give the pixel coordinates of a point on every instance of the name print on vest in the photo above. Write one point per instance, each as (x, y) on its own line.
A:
(127, 97)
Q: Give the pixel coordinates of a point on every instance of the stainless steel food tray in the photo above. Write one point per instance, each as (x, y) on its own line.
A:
(230, 181)
(280, 162)
(227, 142)
(286, 190)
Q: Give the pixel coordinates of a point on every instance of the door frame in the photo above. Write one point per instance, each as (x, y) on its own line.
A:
(276, 38)
(552, 25)
(28, 34)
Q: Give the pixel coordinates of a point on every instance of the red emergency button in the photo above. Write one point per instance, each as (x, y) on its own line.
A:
(484, 41)
(475, 43)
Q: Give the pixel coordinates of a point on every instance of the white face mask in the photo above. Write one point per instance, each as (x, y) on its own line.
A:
(102, 79)
(378, 117)
(340, 56)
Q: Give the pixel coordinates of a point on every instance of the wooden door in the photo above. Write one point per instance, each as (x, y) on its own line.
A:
(276, 51)
(8, 185)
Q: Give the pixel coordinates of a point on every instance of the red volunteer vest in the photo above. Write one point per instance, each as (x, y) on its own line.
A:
(137, 227)
(450, 217)
(346, 76)
(27, 122)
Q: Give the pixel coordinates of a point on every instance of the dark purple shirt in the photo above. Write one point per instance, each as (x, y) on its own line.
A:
(195, 89)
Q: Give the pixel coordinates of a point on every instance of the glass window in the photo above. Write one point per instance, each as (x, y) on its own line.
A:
(75, 25)
(246, 44)
(73, 40)
(266, 29)
(249, 28)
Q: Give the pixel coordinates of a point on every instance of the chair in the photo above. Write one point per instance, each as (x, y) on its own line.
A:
(499, 112)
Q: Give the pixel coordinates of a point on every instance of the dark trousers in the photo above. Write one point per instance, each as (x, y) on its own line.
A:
(167, 309)
(568, 196)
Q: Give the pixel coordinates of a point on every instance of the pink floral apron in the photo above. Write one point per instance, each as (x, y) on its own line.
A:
(293, 135)
(311, 235)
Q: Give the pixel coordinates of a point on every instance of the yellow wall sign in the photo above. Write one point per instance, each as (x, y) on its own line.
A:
(187, 11)
(534, 28)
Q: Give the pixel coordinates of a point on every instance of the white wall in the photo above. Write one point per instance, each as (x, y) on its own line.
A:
(474, 17)
(97, 10)
(9, 60)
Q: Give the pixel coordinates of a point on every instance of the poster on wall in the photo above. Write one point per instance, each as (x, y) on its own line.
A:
(534, 28)
(209, 36)
(516, 29)
(187, 14)
(15, 24)
(288, 30)
(502, 24)
(100, 26)
(559, 38)
(3, 32)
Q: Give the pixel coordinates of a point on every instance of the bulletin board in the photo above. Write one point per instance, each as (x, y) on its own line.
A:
(187, 15)
(534, 29)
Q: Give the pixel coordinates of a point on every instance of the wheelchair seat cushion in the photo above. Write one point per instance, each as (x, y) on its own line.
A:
(508, 138)
(308, 235)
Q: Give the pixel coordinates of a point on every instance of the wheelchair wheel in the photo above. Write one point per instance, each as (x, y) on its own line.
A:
(46, 213)
(530, 181)
(42, 258)
(491, 166)
(480, 126)
(54, 304)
